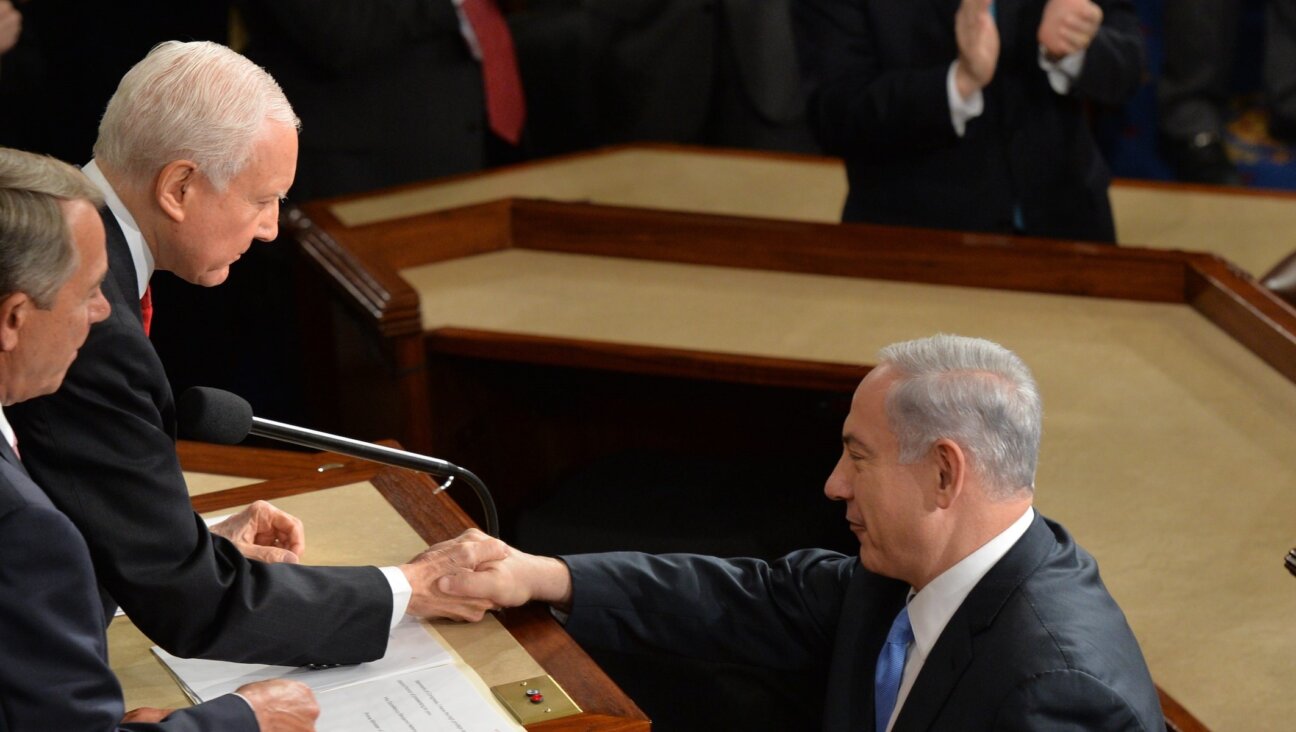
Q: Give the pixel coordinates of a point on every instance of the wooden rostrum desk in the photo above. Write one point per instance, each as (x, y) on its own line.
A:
(345, 504)
(523, 337)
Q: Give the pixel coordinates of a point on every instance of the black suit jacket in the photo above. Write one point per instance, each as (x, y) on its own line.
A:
(103, 446)
(1038, 643)
(876, 71)
(703, 71)
(54, 672)
(387, 90)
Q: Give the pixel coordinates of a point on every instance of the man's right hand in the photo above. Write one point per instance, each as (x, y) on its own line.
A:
(281, 705)
(978, 43)
(10, 25)
(515, 580)
(453, 556)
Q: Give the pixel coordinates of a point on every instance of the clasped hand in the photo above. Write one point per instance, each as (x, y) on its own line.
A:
(1068, 27)
(473, 573)
(460, 578)
(10, 25)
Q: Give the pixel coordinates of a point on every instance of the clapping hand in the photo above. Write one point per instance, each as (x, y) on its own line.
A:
(1068, 27)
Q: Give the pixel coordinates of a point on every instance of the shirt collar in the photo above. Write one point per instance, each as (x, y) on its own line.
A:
(141, 255)
(931, 609)
(5, 429)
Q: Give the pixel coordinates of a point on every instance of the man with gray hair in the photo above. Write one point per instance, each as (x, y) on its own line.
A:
(196, 148)
(965, 609)
(54, 672)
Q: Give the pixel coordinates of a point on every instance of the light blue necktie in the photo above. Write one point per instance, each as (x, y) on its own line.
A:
(890, 668)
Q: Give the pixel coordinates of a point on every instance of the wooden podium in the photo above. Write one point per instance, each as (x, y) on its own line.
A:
(225, 477)
(523, 337)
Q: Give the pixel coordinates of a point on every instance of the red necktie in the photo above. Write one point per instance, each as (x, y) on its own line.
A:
(146, 308)
(505, 105)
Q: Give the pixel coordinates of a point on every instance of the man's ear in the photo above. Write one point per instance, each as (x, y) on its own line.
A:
(14, 309)
(174, 188)
(951, 469)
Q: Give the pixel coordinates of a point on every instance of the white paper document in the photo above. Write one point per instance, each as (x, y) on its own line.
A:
(416, 687)
(436, 698)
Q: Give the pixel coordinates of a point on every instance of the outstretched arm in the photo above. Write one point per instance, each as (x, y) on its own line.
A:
(515, 579)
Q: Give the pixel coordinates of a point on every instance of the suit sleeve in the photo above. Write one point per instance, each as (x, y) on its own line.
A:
(54, 674)
(102, 450)
(857, 106)
(226, 713)
(779, 615)
(1067, 701)
(1113, 68)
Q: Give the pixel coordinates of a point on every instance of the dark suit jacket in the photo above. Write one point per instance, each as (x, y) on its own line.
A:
(703, 71)
(1037, 644)
(387, 90)
(54, 672)
(103, 447)
(877, 72)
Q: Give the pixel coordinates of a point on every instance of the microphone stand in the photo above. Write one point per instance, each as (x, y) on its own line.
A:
(385, 455)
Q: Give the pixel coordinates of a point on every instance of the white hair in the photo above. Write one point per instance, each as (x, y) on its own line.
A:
(195, 101)
(37, 255)
(974, 392)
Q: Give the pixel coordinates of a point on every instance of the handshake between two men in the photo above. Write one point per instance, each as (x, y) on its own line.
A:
(268, 534)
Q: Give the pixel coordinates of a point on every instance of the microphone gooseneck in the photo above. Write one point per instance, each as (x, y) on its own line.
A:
(218, 416)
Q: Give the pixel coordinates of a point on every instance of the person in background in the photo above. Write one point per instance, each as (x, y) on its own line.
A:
(390, 94)
(972, 118)
(1193, 91)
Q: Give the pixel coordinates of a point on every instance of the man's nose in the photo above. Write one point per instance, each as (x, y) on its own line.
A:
(835, 485)
(268, 226)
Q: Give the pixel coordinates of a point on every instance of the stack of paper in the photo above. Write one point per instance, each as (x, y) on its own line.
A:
(416, 687)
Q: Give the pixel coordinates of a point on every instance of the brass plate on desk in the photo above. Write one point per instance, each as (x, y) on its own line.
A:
(516, 697)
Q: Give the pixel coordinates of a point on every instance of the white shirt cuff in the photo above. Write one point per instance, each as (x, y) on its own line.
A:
(245, 701)
(962, 110)
(1063, 72)
(401, 592)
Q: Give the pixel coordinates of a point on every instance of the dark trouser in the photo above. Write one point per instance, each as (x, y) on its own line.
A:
(1200, 43)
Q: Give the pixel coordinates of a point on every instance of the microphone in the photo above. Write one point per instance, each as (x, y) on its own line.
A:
(214, 415)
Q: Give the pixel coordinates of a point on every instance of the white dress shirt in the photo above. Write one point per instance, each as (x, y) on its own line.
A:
(1061, 75)
(931, 609)
(6, 430)
(142, 257)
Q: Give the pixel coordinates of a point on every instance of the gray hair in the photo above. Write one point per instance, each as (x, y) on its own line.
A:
(37, 255)
(974, 392)
(189, 101)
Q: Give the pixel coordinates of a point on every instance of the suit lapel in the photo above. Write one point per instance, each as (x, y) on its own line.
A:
(874, 600)
(950, 657)
(7, 453)
(121, 269)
